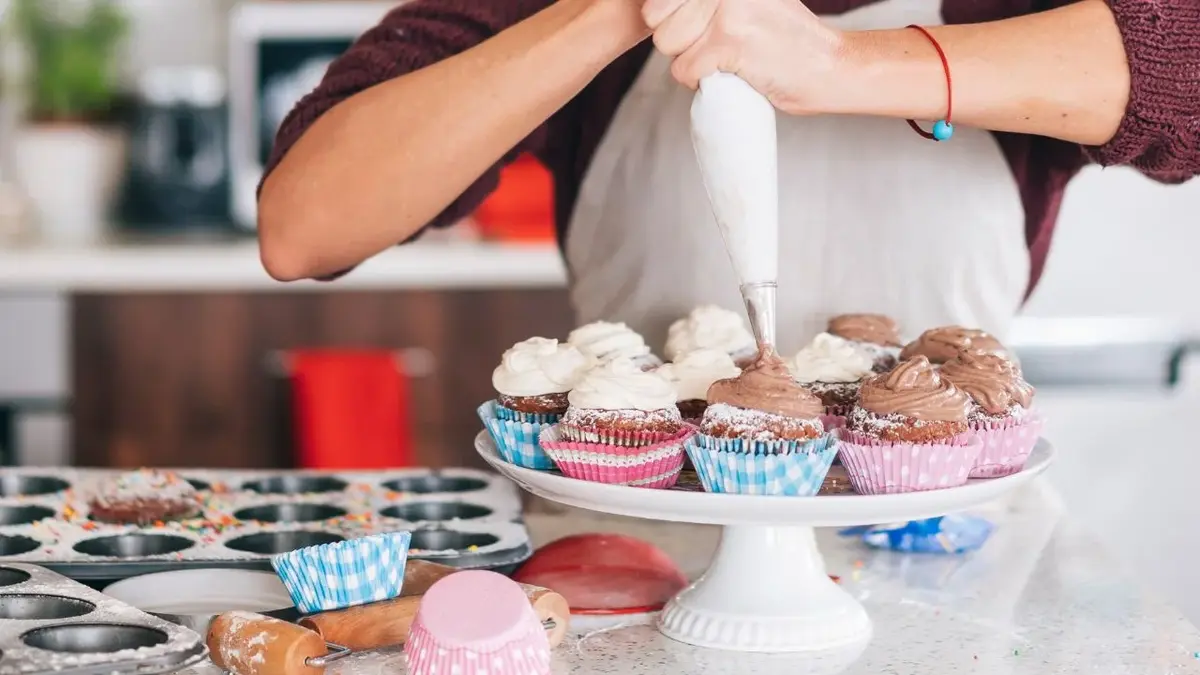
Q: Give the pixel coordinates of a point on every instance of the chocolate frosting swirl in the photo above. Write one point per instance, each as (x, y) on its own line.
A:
(914, 389)
(990, 379)
(939, 345)
(875, 329)
(767, 385)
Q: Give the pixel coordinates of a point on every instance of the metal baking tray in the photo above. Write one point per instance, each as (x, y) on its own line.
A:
(50, 624)
(458, 517)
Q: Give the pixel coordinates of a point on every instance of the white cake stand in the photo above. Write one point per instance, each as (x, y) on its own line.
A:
(766, 589)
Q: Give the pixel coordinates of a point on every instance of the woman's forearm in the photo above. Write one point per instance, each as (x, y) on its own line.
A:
(380, 165)
(1062, 73)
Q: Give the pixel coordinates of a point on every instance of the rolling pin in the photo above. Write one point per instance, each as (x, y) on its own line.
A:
(387, 623)
(252, 644)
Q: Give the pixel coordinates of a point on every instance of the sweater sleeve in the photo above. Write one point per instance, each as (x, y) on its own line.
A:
(413, 36)
(1160, 132)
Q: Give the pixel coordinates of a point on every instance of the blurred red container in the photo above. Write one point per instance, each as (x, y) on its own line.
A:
(522, 207)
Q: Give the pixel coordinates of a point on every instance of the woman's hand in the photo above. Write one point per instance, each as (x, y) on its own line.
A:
(778, 46)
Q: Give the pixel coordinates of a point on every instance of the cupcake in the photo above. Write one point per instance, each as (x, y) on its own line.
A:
(692, 374)
(533, 379)
(604, 342)
(622, 427)
(875, 334)
(143, 497)
(619, 403)
(762, 434)
(1001, 412)
(531, 383)
(939, 345)
(909, 432)
(832, 368)
(712, 327)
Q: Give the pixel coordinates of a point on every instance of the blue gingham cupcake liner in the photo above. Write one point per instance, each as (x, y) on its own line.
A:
(517, 441)
(345, 573)
(510, 415)
(785, 468)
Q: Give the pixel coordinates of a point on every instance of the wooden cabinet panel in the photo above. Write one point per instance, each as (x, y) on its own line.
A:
(183, 379)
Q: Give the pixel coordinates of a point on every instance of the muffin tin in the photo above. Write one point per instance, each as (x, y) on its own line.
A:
(50, 624)
(457, 517)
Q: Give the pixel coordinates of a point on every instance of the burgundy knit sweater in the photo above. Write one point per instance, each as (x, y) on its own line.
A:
(1159, 136)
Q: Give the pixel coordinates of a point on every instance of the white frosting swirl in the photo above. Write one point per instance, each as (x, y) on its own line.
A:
(695, 372)
(709, 327)
(539, 366)
(607, 341)
(829, 358)
(621, 385)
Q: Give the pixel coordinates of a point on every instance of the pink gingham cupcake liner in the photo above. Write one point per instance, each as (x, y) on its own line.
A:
(1006, 445)
(880, 467)
(576, 434)
(656, 465)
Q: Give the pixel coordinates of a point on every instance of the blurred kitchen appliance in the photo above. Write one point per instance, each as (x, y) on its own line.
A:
(178, 174)
(279, 51)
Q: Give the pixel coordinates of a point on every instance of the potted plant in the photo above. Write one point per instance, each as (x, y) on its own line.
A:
(68, 155)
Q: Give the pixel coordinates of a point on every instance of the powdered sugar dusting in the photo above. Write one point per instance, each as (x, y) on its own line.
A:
(752, 424)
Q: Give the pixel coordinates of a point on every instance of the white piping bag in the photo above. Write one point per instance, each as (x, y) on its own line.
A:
(733, 133)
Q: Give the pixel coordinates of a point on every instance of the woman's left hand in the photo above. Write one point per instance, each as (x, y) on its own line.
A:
(778, 46)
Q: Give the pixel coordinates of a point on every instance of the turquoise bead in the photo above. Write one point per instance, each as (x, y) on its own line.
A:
(943, 130)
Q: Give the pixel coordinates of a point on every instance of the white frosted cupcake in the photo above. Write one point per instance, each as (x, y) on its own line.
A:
(531, 383)
(692, 374)
(605, 341)
(833, 369)
(712, 327)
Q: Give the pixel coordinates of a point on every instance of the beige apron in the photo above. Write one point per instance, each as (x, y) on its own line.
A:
(873, 218)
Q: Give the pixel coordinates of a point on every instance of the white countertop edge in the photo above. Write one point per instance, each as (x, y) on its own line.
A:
(236, 266)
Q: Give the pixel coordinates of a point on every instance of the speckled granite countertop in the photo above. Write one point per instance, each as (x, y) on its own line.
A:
(1041, 597)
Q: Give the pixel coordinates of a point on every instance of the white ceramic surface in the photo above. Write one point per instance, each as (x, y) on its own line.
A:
(766, 589)
(202, 592)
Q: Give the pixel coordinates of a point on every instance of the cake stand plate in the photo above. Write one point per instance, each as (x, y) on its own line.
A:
(766, 589)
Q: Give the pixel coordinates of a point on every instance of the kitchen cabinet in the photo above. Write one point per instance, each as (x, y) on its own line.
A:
(184, 379)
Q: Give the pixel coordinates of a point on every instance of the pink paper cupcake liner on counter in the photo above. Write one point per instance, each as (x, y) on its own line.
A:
(1006, 446)
(880, 467)
(650, 466)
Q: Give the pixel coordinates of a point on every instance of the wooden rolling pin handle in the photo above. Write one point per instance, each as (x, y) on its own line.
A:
(386, 624)
(251, 644)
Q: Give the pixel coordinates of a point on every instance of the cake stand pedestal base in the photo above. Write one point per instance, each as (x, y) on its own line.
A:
(766, 590)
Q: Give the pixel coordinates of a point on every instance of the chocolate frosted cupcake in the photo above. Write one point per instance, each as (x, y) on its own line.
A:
(909, 432)
(764, 403)
(622, 427)
(606, 342)
(712, 327)
(939, 345)
(877, 335)
(762, 434)
(531, 382)
(1001, 412)
(692, 375)
(832, 368)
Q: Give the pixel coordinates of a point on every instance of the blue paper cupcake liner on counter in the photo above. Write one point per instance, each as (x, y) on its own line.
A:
(953, 534)
(787, 468)
(517, 441)
(345, 573)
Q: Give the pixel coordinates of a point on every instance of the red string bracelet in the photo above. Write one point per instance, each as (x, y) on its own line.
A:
(942, 129)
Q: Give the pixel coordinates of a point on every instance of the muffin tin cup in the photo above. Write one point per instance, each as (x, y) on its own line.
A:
(471, 518)
(654, 466)
(517, 440)
(344, 574)
(879, 467)
(1006, 446)
(780, 468)
(50, 624)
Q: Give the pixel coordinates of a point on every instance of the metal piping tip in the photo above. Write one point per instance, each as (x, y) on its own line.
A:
(760, 306)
